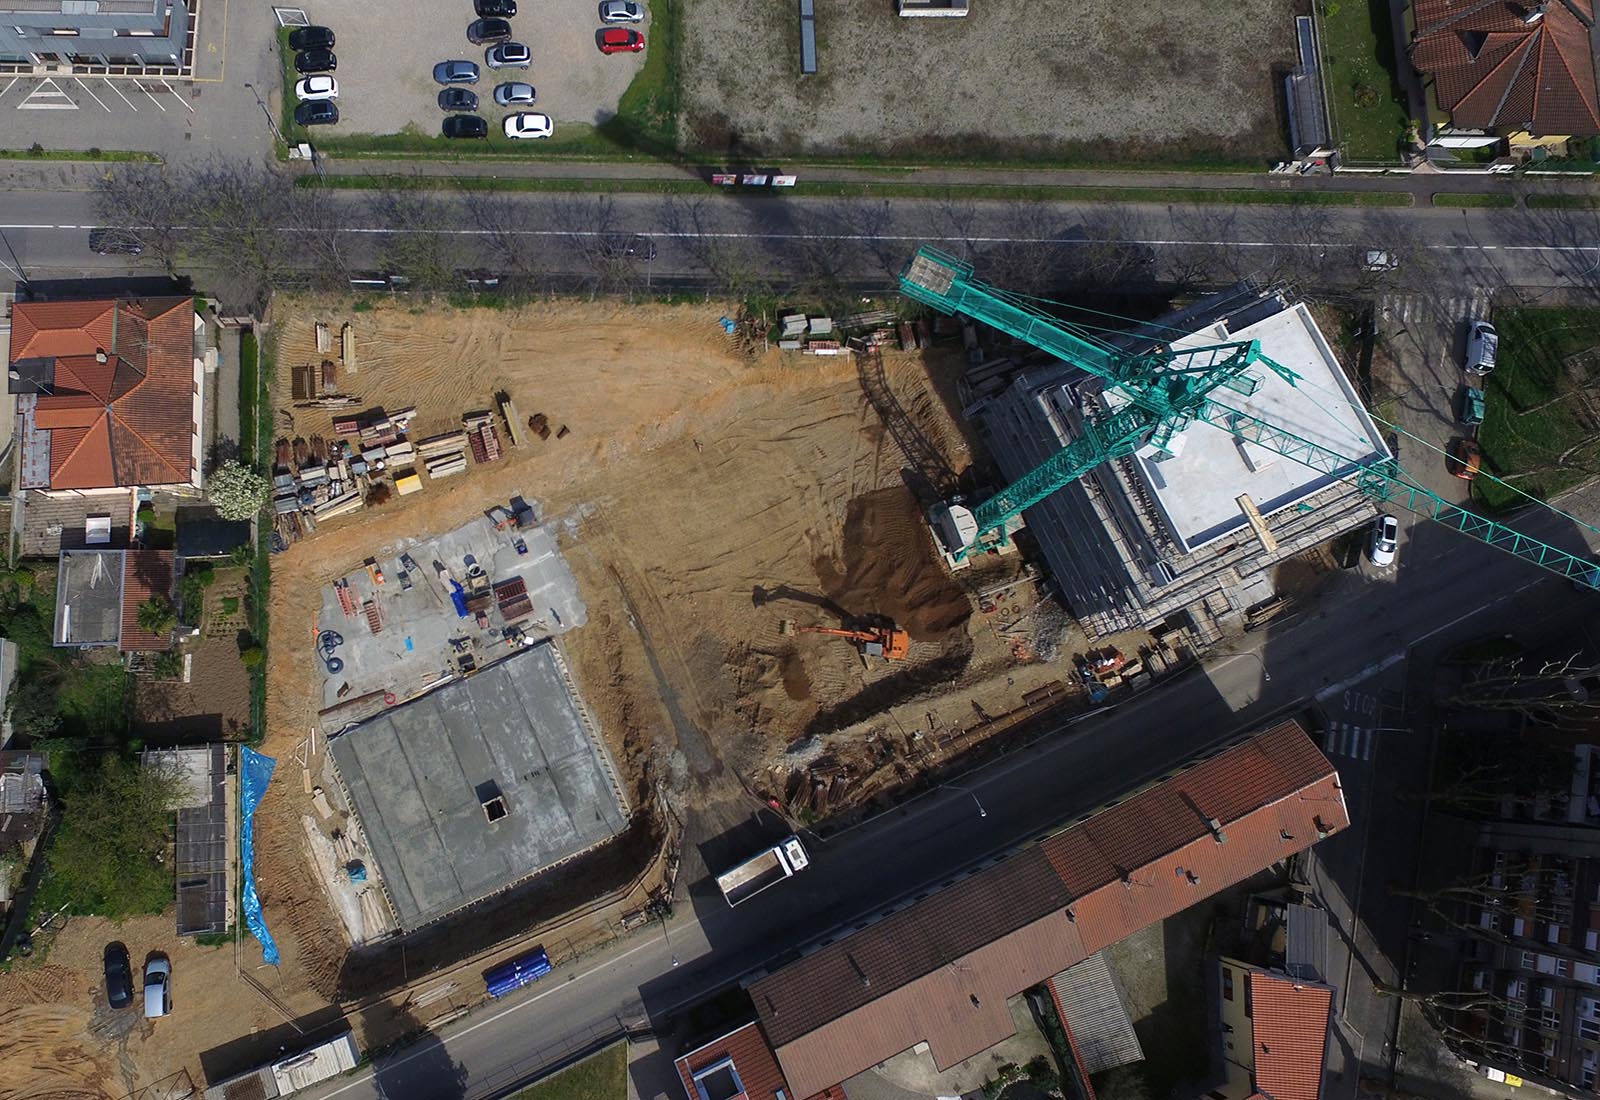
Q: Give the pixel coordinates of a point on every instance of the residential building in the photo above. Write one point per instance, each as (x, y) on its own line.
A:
(99, 593)
(62, 33)
(1523, 929)
(937, 975)
(1523, 70)
(1274, 1033)
(109, 394)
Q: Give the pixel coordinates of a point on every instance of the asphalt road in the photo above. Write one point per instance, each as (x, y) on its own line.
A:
(866, 241)
(1364, 631)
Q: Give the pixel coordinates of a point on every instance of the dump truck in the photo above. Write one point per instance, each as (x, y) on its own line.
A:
(766, 868)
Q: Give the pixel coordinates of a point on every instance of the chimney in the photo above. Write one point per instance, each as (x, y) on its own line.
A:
(1194, 879)
(1216, 830)
(1285, 834)
(1534, 13)
(866, 982)
(1322, 830)
(99, 355)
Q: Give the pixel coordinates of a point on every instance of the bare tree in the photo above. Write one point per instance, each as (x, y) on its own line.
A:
(239, 213)
(730, 260)
(146, 202)
(418, 243)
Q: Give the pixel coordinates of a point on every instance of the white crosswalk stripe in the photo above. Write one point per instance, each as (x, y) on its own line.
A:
(1348, 739)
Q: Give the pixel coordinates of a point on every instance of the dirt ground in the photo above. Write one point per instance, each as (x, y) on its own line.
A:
(1085, 77)
(215, 703)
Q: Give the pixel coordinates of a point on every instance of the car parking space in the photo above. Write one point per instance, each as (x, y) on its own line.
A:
(385, 66)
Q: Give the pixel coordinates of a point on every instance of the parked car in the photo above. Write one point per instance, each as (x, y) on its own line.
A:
(1471, 406)
(1385, 540)
(458, 99)
(311, 38)
(1483, 342)
(456, 72)
(319, 112)
(498, 9)
(320, 86)
(119, 976)
(465, 126)
(528, 124)
(514, 93)
(157, 987)
(623, 244)
(621, 11)
(480, 31)
(114, 242)
(620, 40)
(508, 55)
(1377, 260)
(315, 61)
(1464, 459)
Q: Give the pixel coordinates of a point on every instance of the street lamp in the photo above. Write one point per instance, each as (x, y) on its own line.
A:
(666, 938)
(973, 794)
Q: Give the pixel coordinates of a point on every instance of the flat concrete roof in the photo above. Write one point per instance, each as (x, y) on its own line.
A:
(89, 598)
(1197, 492)
(420, 774)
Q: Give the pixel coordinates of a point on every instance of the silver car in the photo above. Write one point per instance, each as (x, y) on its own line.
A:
(621, 11)
(507, 55)
(157, 987)
(514, 93)
(1483, 343)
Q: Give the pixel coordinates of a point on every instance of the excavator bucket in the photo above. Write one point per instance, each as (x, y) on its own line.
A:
(785, 626)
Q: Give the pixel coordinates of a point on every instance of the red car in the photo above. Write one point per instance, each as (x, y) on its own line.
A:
(620, 40)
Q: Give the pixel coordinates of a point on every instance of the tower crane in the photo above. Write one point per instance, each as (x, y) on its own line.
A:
(1152, 399)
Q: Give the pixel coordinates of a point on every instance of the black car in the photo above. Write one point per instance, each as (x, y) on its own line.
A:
(114, 242)
(480, 31)
(311, 38)
(318, 112)
(498, 9)
(465, 126)
(119, 976)
(315, 61)
(458, 99)
(621, 244)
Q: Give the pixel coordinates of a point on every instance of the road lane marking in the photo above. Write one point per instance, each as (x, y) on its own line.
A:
(92, 96)
(112, 85)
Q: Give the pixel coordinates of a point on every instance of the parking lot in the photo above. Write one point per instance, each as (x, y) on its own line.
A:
(385, 69)
(221, 110)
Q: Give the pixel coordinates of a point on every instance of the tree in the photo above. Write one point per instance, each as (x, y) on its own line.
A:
(110, 855)
(157, 615)
(237, 491)
(33, 705)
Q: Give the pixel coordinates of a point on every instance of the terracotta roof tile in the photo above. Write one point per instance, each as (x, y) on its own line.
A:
(144, 574)
(145, 388)
(1290, 1020)
(1496, 66)
(912, 976)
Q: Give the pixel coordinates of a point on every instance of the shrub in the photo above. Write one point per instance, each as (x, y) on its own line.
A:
(168, 665)
(157, 615)
(252, 655)
(238, 491)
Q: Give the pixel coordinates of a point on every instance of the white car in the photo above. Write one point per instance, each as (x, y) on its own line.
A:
(318, 87)
(157, 988)
(528, 124)
(1385, 541)
(1377, 260)
(621, 11)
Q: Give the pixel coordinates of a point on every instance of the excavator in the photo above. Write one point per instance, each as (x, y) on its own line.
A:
(873, 641)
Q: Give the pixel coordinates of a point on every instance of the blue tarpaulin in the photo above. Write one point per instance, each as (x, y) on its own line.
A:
(255, 772)
(517, 973)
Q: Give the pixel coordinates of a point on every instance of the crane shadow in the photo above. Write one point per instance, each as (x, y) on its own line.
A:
(760, 596)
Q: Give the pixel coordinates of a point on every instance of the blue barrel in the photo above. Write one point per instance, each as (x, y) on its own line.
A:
(517, 973)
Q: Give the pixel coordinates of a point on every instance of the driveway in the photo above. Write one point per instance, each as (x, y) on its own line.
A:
(386, 65)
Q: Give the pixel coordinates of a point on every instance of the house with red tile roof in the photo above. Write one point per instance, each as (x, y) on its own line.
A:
(937, 975)
(109, 394)
(1274, 1033)
(1522, 69)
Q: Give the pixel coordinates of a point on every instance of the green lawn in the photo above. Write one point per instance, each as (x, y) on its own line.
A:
(1369, 113)
(646, 120)
(601, 1077)
(1532, 417)
(1473, 198)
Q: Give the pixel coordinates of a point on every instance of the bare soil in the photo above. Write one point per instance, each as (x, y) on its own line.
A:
(215, 703)
(1084, 78)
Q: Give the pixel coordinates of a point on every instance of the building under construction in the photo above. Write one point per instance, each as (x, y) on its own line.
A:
(1187, 539)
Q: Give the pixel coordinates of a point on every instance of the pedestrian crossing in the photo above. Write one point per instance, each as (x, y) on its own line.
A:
(1350, 740)
(1413, 308)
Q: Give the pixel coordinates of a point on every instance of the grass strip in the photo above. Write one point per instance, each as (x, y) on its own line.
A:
(1473, 198)
(255, 444)
(1562, 202)
(119, 155)
(838, 189)
(603, 1076)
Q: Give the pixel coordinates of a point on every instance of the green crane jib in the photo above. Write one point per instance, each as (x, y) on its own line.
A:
(1160, 394)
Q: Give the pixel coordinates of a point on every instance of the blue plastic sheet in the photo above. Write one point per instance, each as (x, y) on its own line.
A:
(255, 772)
(517, 973)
